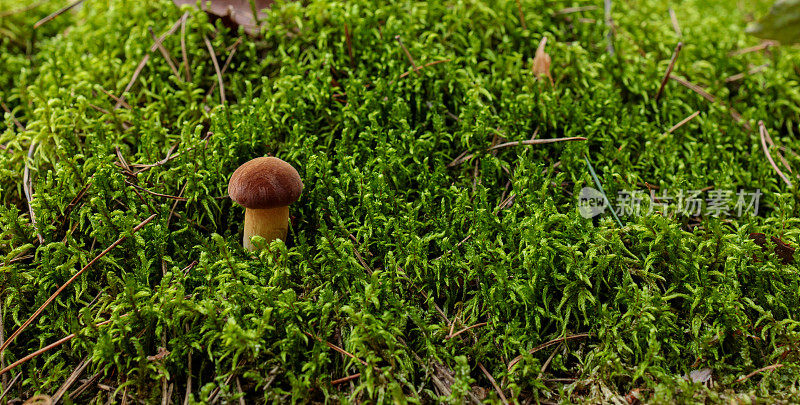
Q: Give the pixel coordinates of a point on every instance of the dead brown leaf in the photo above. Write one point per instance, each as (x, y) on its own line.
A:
(233, 13)
(541, 62)
(782, 249)
(162, 352)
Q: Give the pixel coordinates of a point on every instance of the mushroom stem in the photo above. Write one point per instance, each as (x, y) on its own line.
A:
(269, 223)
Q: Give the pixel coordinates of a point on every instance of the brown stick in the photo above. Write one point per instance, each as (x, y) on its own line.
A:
(11, 384)
(70, 380)
(348, 39)
(171, 197)
(570, 10)
(216, 67)
(494, 383)
(47, 348)
(165, 53)
(521, 16)
(78, 391)
(764, 45)
(778, 152)
(682, 123)
(740, 76)
(13, 118)
(337, 348)
(146, 58)
(518, 143)
(408, 54)
(675, 25)
(27, 187)
(183, 48)
(70, 281)
(51, 17)
(225, 66)
(546, 345)
(188, 380)
(699, 90)
(22, 9)
(345, 379)
(418, 68)
(669, 69)
(2, 355)
(477, 325)
(762, 131)
(115, 98)
(760, 370)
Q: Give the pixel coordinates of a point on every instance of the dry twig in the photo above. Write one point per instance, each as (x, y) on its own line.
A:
(463, 159)
(184, 54)
(669, 69)
(27, 187)
(494, 383)
(71, 380)
(675, 25)
(165, 53)
(545, 345)
(699, 90)
(47, 348)
(146, 58)
(216, 67)
(682, 123)
(51, 17)
(762, 131)
(70, 281)
(760, 370)
(408, 54)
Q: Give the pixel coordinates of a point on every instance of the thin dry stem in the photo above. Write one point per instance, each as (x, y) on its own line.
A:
(225, 66)
(47, 348)
(27, 187)
(184, 54)
(675, 25)
(146, 58)
(477, 325)
(70, 281)
(762, 131)
(669, 69)
(408, 54)
(521, 16)
(13, 118)
(682, 122)
(51, 17)
(71, 380)
(545, 345)
(699, 90)
(418, 68)
(345, 379)
(494, 383)
(760, 370)
(165, 53)
(11, 384)
(216, 67)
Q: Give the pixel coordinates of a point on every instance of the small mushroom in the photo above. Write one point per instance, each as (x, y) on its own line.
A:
(265, 187)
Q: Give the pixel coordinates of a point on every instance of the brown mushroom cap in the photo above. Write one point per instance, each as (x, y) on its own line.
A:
(265, 182)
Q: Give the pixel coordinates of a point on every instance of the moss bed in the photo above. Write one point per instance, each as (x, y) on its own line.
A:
(404, 278)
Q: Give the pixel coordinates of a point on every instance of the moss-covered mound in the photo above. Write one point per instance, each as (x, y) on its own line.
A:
(404, 277)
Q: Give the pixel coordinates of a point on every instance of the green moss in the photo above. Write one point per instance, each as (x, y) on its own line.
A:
(386, 235)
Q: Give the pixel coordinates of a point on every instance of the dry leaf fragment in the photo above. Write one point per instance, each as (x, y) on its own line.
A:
(782, 249)
(781, 24)
(541, 62)
(233, 12)
(162, 352)
(701, 376)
